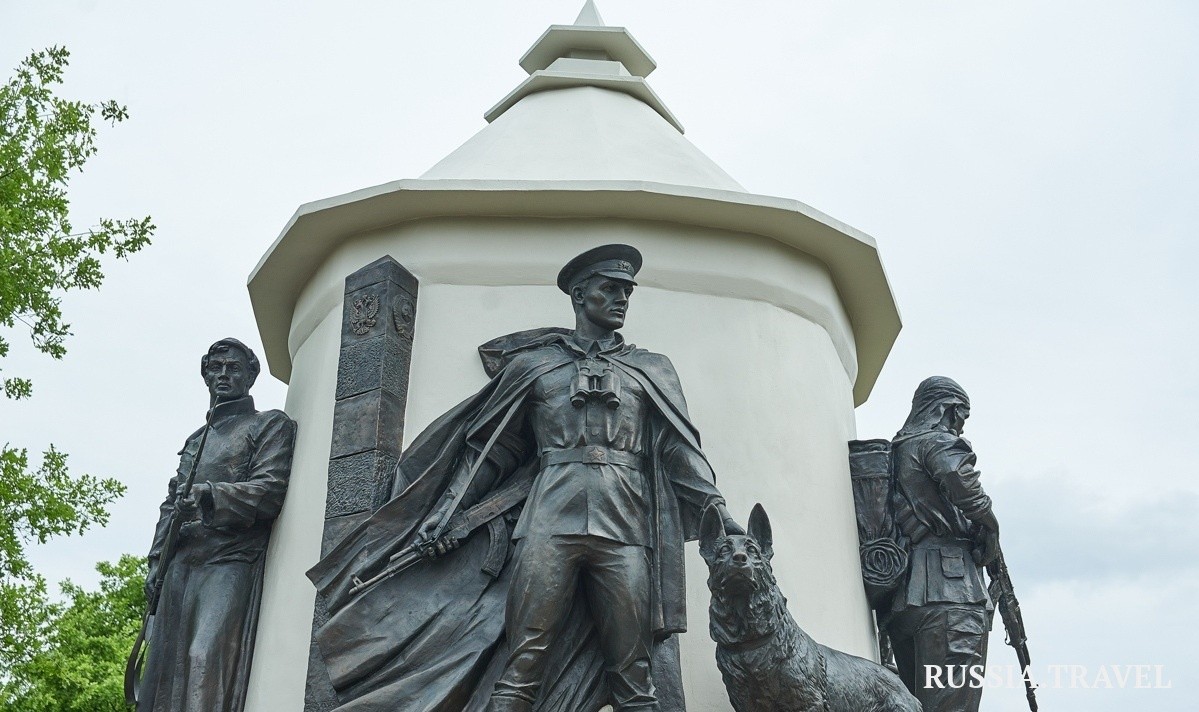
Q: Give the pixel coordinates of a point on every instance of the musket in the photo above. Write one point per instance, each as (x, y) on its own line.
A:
(1004, 595)
(137, 656)
(458, 527)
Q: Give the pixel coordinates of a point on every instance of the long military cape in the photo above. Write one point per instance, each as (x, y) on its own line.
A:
(431, 639)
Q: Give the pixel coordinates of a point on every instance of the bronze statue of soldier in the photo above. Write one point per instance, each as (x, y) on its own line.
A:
(209, 550)
(941, 613)
(585, 610)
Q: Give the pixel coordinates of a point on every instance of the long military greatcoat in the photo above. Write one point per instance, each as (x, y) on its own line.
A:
(202, 641)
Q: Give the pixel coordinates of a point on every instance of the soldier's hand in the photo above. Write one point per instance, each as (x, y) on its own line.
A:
(730, 525)
(986, 520)
(443, 546)
(987, 549)
(186, 506)
(190, 504)
(425, 535)
(435, 548)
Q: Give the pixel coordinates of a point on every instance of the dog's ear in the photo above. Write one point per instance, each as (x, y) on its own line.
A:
(711, 529)
(759, 529)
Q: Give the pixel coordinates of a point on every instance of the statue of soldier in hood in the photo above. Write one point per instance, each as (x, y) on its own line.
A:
(941, 613)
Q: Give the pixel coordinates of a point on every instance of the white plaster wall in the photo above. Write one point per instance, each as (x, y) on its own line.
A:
(755, 329)
(285, 623)
(514, 251)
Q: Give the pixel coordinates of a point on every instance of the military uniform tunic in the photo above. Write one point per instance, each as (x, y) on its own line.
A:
(939, 487)
(941, 614)
(579, 498)
(585, 526)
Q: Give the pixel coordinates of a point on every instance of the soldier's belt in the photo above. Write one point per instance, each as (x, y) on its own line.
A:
(592, 455)
(932, 541)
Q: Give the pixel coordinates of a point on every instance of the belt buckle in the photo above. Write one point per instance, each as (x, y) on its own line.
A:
(596, 456)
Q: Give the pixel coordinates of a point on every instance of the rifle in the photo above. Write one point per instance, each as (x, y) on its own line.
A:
(137, 656)
(1004, 595)
(458, 527)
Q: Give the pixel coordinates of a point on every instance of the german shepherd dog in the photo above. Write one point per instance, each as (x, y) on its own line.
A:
(768, 663)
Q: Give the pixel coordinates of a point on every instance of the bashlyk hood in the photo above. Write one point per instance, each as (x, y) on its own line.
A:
(933, 396)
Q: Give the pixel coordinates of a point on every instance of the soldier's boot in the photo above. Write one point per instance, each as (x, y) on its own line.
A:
(633, 688)
(508, 704)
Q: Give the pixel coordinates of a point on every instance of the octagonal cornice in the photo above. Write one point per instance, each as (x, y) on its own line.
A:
(320, 227)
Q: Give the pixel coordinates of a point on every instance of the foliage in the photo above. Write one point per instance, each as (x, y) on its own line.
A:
(44, 141)
(38, 504)
(77, 662)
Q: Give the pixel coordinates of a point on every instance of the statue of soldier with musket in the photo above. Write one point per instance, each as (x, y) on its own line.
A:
(941, 613)
(206, 562)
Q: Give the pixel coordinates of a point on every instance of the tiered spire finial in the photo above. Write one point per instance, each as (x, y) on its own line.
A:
(588, 35)
(587, 53)
(589, 16)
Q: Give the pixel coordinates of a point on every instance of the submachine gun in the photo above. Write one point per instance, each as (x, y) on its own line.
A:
(486, 513)
(1004, 596)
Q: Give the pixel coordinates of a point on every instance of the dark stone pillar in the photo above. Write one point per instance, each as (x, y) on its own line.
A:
(368, 419)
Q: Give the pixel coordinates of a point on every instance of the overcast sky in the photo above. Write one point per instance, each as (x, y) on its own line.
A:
(1030, 170)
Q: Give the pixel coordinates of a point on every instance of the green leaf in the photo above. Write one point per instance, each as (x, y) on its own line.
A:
(55, 656)
(44, 141)
(70, 656)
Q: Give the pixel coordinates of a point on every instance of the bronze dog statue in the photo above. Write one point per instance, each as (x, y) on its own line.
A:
(769, 664)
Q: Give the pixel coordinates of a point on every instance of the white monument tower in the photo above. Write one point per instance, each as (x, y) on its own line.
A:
(777, 317)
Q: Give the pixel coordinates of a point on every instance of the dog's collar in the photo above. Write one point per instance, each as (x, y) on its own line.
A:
(749, 644)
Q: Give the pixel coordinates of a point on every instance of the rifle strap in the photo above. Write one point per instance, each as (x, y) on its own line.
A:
(474, 468)
(133, 667)
(897, 485)
(499, 502)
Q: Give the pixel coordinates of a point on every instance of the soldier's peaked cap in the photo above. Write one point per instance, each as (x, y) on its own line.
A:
(616, 261)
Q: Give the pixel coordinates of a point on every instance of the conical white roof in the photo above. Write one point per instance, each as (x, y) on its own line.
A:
(582, 133)
(585, 113)
(583, 136)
